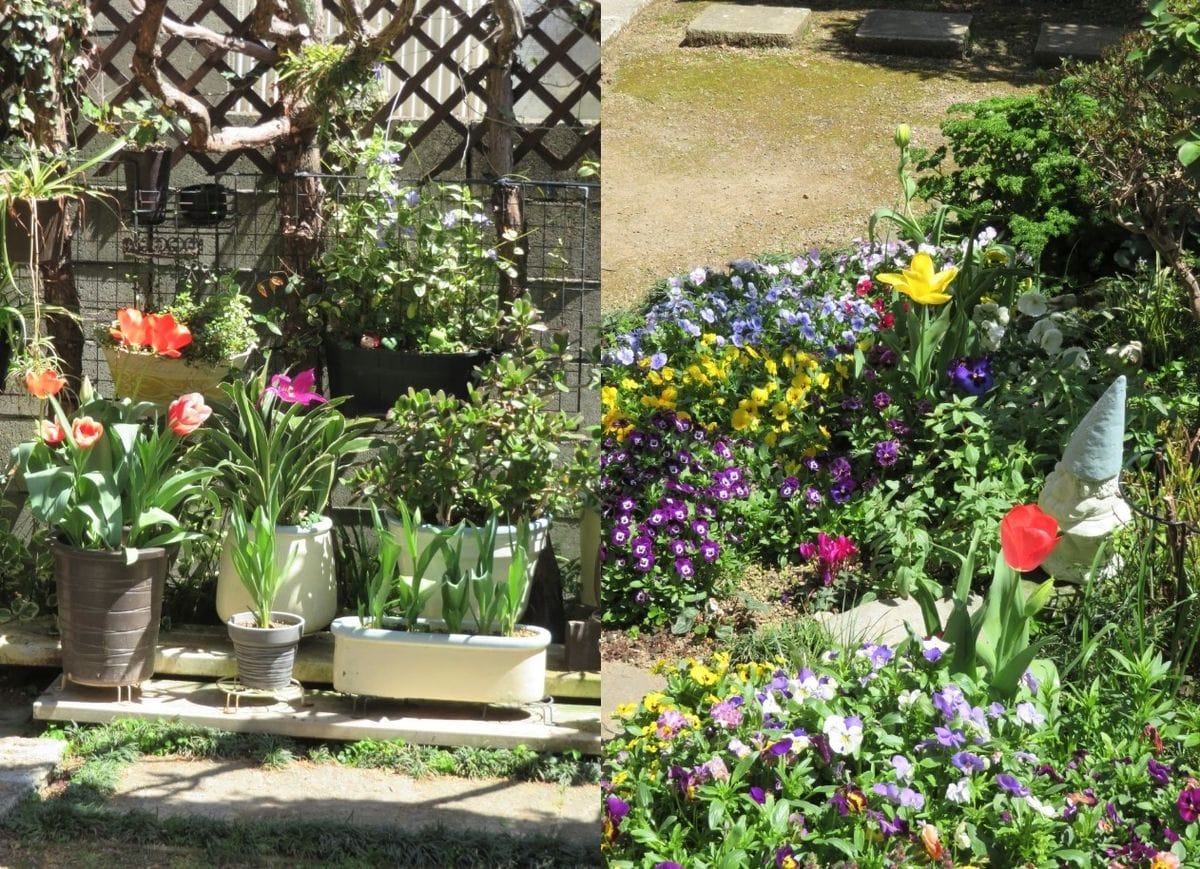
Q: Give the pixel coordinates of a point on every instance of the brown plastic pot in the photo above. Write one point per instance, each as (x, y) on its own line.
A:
(20, 229)
(109, 604)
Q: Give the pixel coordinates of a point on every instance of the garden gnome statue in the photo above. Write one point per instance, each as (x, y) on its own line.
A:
(1082, 492)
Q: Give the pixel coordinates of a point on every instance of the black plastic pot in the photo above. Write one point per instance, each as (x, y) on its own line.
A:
(148, 181)
(19, 230)
(265, 656)
(374, 379)
(204, 204)
(109, 604)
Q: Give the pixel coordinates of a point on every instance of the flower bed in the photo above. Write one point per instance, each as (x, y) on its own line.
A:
(881, 758)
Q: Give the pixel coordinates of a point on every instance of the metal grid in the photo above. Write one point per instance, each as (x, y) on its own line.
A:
(120, 262)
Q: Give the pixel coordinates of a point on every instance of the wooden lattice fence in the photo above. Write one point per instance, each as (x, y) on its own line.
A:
(437, 75)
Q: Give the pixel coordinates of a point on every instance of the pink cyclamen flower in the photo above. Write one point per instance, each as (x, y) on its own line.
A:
(295, 390)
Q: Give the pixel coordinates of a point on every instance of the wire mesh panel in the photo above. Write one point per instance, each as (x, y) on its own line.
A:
(120, 260)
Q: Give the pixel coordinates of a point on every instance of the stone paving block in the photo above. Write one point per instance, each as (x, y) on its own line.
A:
(26, 765)
(748, 26)
(1079, 41)
(883, 621)
(924, 34)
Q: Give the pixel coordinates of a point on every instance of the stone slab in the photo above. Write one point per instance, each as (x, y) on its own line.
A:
(329, 715)
(245, 791)
(26, 765)
(616, 14)
(749, 26)
(924, 34)
(624, 683)
(205, 651)
(883, 621)
(1078, 41)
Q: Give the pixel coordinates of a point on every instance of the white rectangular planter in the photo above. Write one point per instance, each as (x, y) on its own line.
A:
(464, 668)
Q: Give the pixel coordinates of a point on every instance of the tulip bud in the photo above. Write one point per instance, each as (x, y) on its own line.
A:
(903, 135)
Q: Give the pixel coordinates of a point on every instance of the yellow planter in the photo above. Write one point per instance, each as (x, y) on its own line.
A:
(146, 377)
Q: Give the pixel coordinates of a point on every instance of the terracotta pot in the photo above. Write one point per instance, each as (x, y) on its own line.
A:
(109, 605)
(308, 589)
(417, 665)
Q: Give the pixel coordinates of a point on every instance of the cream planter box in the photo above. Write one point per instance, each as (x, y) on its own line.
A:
(502, 553)
(464, 668)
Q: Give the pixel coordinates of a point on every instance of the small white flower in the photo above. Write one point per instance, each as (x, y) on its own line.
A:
(959, 791)
(844, 735)
(1029, 715)
(908, 698)
(1051, 341)
(1033, 304)
(739, 749)
(993, 334)
(826, 688)
(770, 706)
(698, 275)
(925, 247)
(1041, 808)
(1077, 358)
(961, 838)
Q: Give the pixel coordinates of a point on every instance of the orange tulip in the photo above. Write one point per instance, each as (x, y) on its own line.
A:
(52, 433)
(131, 328)
(86, 431)
(43, 384)
(166, 336)
(932, 842)
(187, 413)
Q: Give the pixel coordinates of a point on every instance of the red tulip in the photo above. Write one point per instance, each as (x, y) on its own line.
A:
(1027, 536)
(187, 413)
(52, 433)
(85, 431)
(130, 329)
(166, 336)
(44, 384)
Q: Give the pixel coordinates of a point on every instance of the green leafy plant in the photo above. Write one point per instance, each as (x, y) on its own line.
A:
(114, 476)
(408, 267)
(496, 452)
(254, 558)
(384, 593)
(145, 124)
(270, 447)
(42, 59)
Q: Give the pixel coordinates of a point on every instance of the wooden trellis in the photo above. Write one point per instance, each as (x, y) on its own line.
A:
(454, 116)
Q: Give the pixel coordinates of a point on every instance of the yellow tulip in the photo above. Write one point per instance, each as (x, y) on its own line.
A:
(919, 282)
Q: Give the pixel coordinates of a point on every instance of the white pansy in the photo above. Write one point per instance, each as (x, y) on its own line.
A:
(843, 738)
(961, 838)
(770, 705)
(1051, 342)
(925, 247)
(1033, 304)
(959, 791)
(908, 698)
(993, 334)
(1041, 808)
(1077, 358)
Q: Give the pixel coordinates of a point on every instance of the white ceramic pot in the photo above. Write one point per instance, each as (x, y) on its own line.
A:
(462, 668)
(506, 537)
(309, 587)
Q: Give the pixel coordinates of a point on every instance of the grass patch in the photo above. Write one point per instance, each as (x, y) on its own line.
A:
(797, 643)
(107, 747)
(306, 843)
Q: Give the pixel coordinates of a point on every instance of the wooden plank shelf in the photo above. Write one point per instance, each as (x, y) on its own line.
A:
(324, 714)
(205, 652)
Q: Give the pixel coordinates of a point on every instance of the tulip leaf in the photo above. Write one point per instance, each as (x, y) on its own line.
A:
(1040, 597)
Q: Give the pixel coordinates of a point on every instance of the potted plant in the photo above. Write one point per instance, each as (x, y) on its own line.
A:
(500, 452)
(476, 653)
(110, 483)
(190, 345)
(411, 298)
(145, 126)
(264, 639)
(281, 440)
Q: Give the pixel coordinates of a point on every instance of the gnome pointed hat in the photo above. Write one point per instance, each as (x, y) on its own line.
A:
(1095, 450)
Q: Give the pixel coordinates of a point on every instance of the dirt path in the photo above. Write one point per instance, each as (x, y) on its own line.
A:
(712, 154)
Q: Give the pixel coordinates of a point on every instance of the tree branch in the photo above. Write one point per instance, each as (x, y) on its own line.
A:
(197, 33)
(354, 19)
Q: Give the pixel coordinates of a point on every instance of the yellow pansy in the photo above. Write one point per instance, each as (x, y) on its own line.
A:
(771, 439)
(744, 418)
(708, 338)
(608, 396)
(629, 383)
(626, 710)
(920, 283)
(823, 380)
(771, 365)
(654, 377)
(759, 395)
(620, 777)
(668, 373)
(751, 352)
(644, 362)
(780, 410)
(824, 431)
(702, 675)
(654, 701)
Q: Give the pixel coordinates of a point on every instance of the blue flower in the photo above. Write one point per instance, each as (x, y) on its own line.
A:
(1010, 784)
